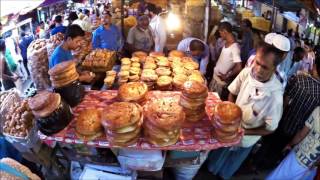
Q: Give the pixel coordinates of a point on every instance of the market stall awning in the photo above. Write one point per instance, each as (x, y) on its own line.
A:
(50, 2)
(16, 7)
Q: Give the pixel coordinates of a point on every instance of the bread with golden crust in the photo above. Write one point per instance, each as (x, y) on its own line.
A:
(165, 113)
(121, 114)
(176, 53)
(160, 141)
(164, 81)
(179, 80)
(227, 113)
(163, 71)
(62, 67)
(133, 91)
(88, 123)
(139, 54)
(194, 89)
(156, 54)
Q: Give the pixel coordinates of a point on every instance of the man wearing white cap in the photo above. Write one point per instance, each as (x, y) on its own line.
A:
(282, 43)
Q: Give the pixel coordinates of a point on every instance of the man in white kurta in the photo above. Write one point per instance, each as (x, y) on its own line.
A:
(258, 92)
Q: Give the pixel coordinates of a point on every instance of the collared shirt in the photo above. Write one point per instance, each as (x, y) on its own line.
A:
(308, 150)
(110, 39)
(59, 55)
(261, 103)
(141, 39)
(203, 59)
(304, 96)
(160, 34)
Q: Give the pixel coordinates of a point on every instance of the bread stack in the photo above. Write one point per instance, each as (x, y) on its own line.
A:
(133, 92)
(63, 74)
(164, 118)
(122, 123)
(141, 55)
(149, 75)
(88, 124)
(110, 78)
(193, 100)
(156, 54)
(226, 121)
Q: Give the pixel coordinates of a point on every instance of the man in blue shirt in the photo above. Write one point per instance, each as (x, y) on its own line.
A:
(107, 36)
(74, 35)
(59, 27)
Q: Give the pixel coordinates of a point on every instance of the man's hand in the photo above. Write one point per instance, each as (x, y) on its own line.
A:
(287, 148)
(223, 77)
(15, 77)
(86, 76)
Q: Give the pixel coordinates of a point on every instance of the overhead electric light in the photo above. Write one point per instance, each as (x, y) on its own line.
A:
(173, 22)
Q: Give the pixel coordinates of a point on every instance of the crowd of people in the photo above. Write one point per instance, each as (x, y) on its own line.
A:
(276, 84)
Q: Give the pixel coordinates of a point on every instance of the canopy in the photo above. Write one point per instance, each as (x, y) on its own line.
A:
(294, 5)
(15, 7)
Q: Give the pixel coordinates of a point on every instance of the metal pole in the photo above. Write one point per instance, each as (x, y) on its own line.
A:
(272, 18)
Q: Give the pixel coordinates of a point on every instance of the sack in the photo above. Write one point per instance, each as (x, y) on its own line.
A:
(38, 64)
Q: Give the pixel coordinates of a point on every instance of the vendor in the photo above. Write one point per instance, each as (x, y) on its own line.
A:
(197, 49)
(107, 36)
(74, 35)
(140, 37)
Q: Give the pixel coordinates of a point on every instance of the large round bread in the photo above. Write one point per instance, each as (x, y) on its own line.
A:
(227, 113)
(165, 113)
(157, 132)
(156, 54)
(194, 89)
(161, 142)
(121, 114)
(61, 68)
(89, 122)
(133, 91)
(176, 53)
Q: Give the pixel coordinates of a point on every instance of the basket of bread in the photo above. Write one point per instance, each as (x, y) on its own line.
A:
(99, 60)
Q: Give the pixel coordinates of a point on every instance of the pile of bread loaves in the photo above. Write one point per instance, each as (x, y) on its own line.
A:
(226, 121)
(193, 100)
(63, 74)
(99, 60)
(158, 71)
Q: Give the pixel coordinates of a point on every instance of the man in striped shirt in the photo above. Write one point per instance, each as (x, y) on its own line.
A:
(301, 97)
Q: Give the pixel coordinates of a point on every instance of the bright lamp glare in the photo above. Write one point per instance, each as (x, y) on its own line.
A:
(173, 22)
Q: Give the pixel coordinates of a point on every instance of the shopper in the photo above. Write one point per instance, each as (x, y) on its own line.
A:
(229, 62)
(197, 49)
(58, 26)
(41, 33)
(73, 18)
(24, 43)
(291, 65)
(304, 157)
(259, 94)
(107, 36)
(140, 37)
(158, 27)
(301, 97)
(308, 61)
(247, 39)
(7, 77)
(74, 35)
